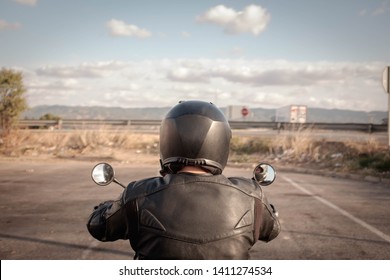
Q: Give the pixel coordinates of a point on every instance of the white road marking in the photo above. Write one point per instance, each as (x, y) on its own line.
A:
(338, 209)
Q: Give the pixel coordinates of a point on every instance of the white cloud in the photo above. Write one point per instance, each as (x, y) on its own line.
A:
(27, 2)
(120, 28)
(237, 51)
(85, 70)
(276, 77)
(256, 83)
(382, 9)
(185, 34)
(185, 74)
(363, 12)
(5, 25)
(252, 19)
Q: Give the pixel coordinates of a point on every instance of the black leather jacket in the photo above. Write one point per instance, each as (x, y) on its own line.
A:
(187, 216)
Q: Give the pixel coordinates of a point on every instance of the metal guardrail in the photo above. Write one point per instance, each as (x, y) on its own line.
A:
(364, 127)
(48, 123)
(84, 124)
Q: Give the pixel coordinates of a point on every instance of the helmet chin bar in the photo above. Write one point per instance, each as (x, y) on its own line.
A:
(210, 165)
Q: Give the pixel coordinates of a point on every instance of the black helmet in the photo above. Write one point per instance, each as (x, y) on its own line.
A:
(194, 133)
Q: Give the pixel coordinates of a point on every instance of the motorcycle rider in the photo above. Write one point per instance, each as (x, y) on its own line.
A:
(192, 211)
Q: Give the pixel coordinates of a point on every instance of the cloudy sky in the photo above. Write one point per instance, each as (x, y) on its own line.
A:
(129, 53)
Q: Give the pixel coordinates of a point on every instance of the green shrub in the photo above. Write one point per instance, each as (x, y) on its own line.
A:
(379, 162)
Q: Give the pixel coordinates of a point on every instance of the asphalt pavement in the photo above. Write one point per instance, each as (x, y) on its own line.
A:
(45, 206)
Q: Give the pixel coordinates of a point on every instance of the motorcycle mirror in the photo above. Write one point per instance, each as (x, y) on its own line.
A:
(264, 174)
(103, 174)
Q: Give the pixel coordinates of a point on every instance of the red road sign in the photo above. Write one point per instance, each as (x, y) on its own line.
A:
(244, 111)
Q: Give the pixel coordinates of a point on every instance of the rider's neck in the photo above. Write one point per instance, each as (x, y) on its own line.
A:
(193, 170)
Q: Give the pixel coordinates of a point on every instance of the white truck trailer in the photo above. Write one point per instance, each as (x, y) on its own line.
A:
(291, 114)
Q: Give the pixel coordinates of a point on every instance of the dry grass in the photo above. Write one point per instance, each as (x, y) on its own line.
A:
(115, 145)
(297, 148)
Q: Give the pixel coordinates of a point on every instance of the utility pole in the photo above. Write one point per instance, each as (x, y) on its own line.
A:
(386, 85)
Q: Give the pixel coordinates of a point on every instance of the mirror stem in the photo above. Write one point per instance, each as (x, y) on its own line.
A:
(119, 183)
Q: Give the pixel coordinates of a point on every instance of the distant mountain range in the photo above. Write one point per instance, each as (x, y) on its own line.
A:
(314, 115)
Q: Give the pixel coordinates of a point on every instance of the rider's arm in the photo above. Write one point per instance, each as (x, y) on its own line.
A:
(270, 225)
(108, 221)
